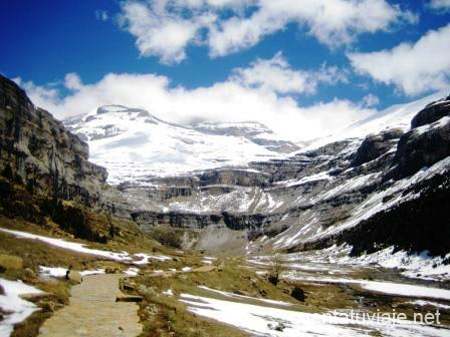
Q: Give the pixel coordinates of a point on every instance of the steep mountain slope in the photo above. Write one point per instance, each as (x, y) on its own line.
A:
(305, 199)
(37, 151)
(45, 175)
(389, 191)
(135, 145)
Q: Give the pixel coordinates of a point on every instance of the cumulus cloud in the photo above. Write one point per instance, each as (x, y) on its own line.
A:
(73, 82)
(276, 75)
(164, 28)
(243, 96)
(370, 101)
(440, 5)
(159, 32)
(331, 22)
(414, 68)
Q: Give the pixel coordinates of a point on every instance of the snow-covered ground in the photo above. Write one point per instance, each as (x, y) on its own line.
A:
(17, 309)
(327, 273)
(242, 297)
(61, 272)
(336, 260)
(265, 321)
(421, 265)
(422, 303)
(398, 116)
(140, 258)
(375, 203)
(406, 290)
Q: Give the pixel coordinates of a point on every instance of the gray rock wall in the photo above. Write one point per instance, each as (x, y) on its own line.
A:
(37, 151)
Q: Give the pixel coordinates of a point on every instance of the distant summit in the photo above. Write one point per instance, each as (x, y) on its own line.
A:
(133, 144)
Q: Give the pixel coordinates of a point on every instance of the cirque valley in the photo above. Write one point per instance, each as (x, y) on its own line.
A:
(225, 168)
(363, 212)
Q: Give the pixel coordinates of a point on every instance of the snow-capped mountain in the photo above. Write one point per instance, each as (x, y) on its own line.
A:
(398, 116)
(255, 132)
(233, 175)
(388, 191)
(134, 145)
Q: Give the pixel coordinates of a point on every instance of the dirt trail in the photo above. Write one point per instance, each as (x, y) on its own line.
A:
(93, 311)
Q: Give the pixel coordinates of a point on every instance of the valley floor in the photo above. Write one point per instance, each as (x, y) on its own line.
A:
(188, 294)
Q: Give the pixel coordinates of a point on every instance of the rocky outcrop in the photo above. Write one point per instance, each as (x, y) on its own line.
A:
(37, 151)
(302, 201)
(256, 132)
(354, 186)
(417, 225)
(376, 145)
(422, 147)
(432, 113)
(198, 221)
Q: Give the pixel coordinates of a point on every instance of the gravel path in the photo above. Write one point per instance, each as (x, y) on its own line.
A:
(93, 311)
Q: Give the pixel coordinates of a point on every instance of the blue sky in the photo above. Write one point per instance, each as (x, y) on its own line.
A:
(291, 57)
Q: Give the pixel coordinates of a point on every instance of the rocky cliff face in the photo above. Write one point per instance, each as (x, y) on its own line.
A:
(37, 151)
(329, 194)
(358, 190)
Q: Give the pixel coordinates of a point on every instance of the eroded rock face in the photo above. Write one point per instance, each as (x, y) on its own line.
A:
(37, 151)
(294, 202)
(432, 113)
(306, 200)
(376, 145)
(422, 147)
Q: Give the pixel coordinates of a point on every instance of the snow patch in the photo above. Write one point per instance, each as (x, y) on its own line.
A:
(16, 308)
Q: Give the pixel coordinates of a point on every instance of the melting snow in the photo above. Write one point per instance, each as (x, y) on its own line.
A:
(236, 296)
(61, 272)
(262, 321)
(168, 292)
(17, 309)
(132, 272)
(81, 248)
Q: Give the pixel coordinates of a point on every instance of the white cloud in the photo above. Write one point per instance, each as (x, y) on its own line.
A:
(276, 75)
(73, 82)
(332, 22)
(414, 68)
(159, 32)
(370, 101)
(164, 28)
(235, 99)
(440, 5)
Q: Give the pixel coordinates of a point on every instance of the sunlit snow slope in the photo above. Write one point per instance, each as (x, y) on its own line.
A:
(133, 144)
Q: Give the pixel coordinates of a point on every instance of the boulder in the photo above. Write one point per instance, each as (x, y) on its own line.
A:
(10, 262)
(74, 276)
(2, 291)
(112, 270)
